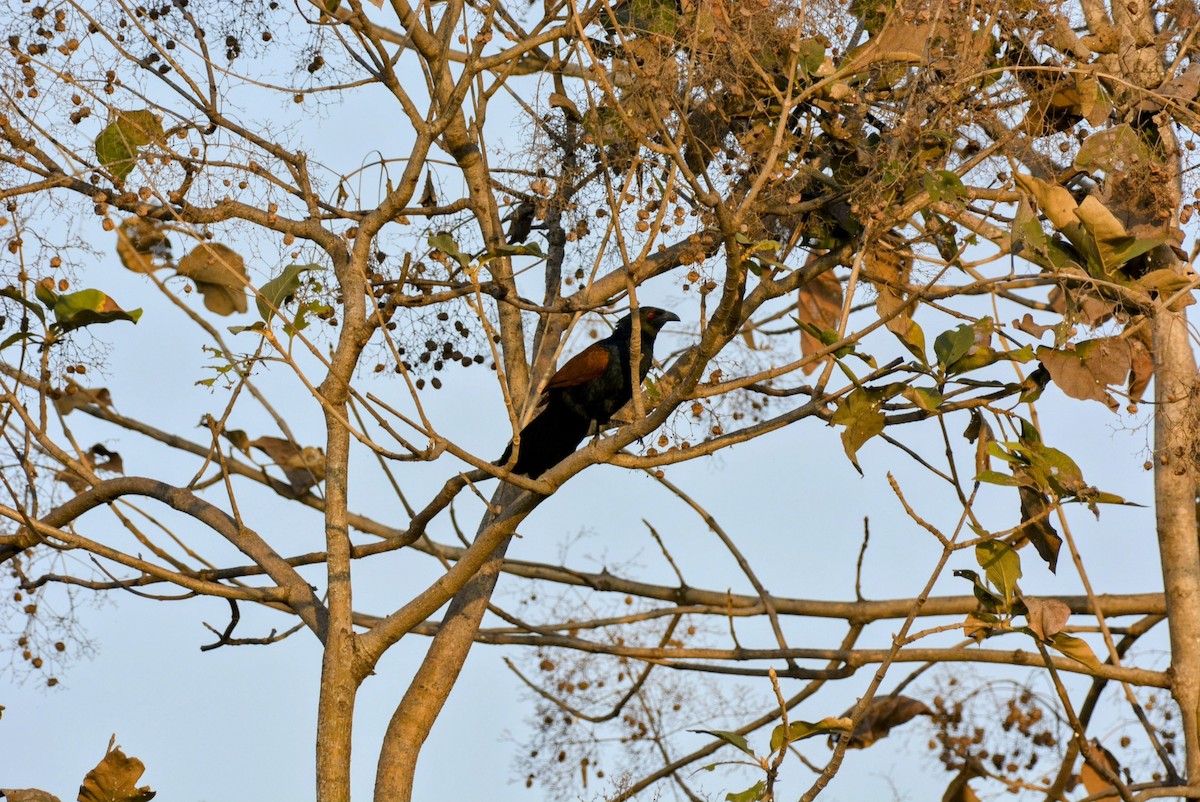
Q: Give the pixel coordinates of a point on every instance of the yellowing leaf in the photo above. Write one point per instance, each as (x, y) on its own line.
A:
(220, 276)
(1002, 565)
(87, 307)
(117, 145)
(799, 730)
(1075, 648)
(731, 738)
(860, 414)
(1054, 201)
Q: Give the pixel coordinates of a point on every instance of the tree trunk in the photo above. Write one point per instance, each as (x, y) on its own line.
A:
(1175, 484)
(427, 693)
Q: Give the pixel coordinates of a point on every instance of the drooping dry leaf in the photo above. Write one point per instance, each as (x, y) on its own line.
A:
(220, 276)
(115, 780)
(979, 432)
(111, 461)
(239, 439)
(1141, 363)
(1092, 779)
(882, 715)
(429, 197)
(1035, 524)
(1047, 617)
(888, 271)
(27, 795)
(818, 302)
(142, 245)
(976, 627)
(75, 396)
(1086, 371)
(304, 467)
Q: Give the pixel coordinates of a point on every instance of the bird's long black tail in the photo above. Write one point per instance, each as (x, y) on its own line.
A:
(549, 438)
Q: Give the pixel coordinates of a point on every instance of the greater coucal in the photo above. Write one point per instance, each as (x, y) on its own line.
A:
(585, 393)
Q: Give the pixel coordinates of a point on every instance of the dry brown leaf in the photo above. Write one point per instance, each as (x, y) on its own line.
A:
(976, 628)
(27, 795)
(1035, 523)
(75, 396)
(884, 714)
(1091, 779)
(142, 246)
(1086, 371)
(115, 779)
(1027, 325)
(1047, 617)
(220, 276)
(304, 467)
(1141, 363)
(818, 302)
(112, 461)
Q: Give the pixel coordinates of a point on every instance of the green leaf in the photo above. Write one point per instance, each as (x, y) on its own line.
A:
(926, 398)
(951, 346)
(445, 243)
(751, 794)
(274, 294)
(257, 325)
(117, 145)
(799, 730)
(87, 307)
(15, 338)
(910, 334)
(810, 55)
(997, 478)
(988, 600)
(1116, 148)
(1075, 648)
(525, 249)
(731, 738)
(944, 185)
(12, 293)
(859, 413)
(1002, 565)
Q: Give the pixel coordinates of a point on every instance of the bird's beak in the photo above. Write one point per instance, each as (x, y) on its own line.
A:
(667, 317)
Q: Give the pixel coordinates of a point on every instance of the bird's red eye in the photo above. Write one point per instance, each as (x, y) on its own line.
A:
(651, 315)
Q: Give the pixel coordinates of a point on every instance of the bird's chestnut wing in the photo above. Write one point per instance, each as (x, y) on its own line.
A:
(588, 365)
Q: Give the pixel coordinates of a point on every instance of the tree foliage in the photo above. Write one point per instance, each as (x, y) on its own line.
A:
(905, 220)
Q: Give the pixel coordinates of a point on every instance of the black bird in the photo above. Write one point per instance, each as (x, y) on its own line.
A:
(585, 393)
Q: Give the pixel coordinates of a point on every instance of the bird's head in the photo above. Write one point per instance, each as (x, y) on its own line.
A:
(652, 319)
